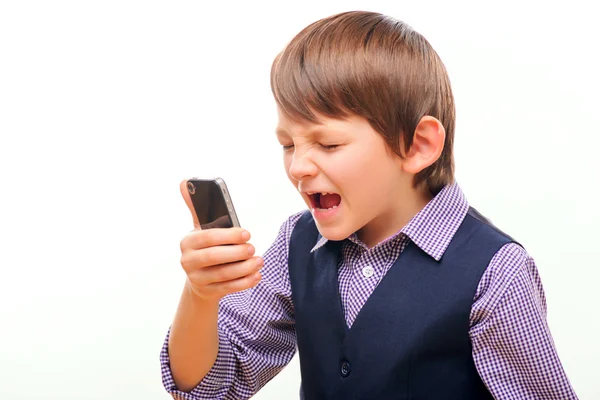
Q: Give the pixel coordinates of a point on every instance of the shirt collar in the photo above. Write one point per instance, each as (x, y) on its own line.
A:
(432, 228)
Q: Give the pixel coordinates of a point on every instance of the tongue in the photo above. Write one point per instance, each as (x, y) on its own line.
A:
(329, 200)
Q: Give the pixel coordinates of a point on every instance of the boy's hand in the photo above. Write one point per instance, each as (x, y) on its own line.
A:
(217, 261)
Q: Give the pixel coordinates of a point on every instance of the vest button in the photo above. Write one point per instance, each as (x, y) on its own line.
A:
(345, 369)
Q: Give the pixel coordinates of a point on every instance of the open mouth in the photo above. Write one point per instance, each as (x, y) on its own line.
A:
(324, 201)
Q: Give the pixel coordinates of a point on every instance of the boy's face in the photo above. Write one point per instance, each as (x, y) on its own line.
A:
(350, 161)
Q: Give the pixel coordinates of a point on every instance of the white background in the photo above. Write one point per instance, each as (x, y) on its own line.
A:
(106, 105)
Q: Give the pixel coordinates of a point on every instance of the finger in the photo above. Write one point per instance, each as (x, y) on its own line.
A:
(201, 239)
(183, 188)
(216, 255)
(226, 272)
(221, 289)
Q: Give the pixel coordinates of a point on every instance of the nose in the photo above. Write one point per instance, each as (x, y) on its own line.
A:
(302, 166)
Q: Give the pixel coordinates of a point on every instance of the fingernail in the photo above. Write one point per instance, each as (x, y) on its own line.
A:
(245, 235)
(250, 250)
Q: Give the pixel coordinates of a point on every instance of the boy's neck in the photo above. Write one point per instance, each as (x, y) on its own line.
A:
(401, 211)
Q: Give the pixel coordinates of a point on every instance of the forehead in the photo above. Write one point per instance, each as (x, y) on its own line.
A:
(287, 126)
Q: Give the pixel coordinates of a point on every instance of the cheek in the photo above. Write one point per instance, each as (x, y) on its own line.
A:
(358, 164)
(367, 172)
(354, 176)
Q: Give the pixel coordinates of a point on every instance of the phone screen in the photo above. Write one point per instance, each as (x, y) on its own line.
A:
(210, 204)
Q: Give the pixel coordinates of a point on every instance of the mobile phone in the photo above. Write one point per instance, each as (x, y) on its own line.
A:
(212, 203)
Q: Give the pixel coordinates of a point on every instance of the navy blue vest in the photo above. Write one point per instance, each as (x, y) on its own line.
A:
(411, 338)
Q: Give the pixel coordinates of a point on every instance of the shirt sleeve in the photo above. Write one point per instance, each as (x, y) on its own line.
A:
(513, 349)
(257, 336)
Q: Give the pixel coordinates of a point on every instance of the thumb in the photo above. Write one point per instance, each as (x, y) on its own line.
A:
(183, 188)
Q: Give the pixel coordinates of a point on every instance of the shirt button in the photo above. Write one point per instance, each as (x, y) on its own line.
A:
(345, 369)
(368, 271)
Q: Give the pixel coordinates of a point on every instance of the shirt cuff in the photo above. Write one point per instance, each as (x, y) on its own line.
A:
(215, 383)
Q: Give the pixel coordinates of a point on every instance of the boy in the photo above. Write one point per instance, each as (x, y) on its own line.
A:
(391, 286)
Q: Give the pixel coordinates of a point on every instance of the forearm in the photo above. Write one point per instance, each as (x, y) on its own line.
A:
(193, 339)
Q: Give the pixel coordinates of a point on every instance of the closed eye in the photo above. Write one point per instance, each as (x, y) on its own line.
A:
(326, 147)
(329, 147)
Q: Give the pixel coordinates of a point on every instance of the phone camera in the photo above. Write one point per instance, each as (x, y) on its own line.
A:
(191, 188)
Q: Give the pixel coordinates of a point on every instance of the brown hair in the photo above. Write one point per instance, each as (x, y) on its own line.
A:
(373, 66)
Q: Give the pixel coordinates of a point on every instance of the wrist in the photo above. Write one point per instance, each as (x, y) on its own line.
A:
(200, 301)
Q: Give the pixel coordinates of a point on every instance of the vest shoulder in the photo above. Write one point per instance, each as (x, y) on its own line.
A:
(306, 217)
(305, 227)
(486, 226)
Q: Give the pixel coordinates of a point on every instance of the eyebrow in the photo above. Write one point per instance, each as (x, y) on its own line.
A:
(314, 133)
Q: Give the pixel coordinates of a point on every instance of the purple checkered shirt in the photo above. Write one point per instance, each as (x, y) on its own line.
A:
(513, 349)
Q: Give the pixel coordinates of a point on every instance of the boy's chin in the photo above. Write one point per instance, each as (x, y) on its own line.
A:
(334, 233)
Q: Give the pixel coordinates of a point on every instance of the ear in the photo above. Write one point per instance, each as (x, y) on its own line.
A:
(427, 145)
